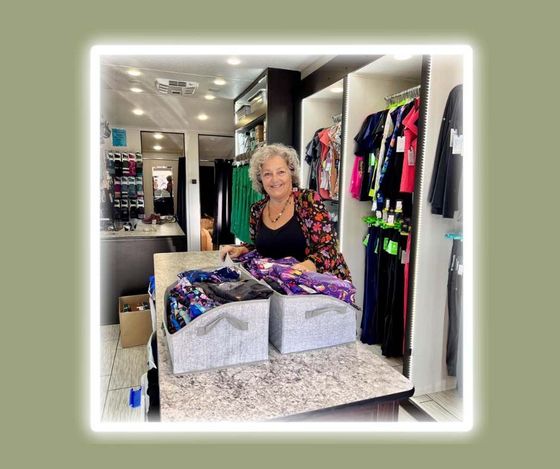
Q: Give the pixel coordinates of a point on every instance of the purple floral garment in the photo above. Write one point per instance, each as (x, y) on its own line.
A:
(317, 228)
(296, 282)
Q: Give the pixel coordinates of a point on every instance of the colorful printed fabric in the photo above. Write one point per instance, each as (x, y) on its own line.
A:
(283, 277)
(187, 301)
(224, 274)
(317, 228)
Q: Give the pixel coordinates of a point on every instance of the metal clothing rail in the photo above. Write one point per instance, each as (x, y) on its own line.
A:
(410, 93)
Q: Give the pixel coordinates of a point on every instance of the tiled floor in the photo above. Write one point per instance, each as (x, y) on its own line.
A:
(444, 406)
(121, 369)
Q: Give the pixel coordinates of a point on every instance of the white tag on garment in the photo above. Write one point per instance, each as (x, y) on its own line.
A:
(411, 157)
(385, 215)
(460, 269)
(399, 206)
(391, 219)
(400, 144)
(378, 214)
(451, 136)
(458, 145)
(404, 256)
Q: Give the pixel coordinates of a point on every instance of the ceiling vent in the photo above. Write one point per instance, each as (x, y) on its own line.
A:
(176, 87)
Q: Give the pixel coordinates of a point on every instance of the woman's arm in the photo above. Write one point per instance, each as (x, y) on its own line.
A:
(323, 240)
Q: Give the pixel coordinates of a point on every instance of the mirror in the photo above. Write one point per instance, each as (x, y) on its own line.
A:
(162, 181)
(161, 152)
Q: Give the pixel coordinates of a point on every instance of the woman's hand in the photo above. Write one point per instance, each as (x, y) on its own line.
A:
(233, 251)
(305, 266)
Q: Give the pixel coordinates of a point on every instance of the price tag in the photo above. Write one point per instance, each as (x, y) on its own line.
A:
(404, 257)
(392, 248)
(391, 219)
(385, 215)
(460, 269)
(458, 145)
(399, 206)
(378, 214)
(451, 136)
(387, 204)
(411, 156)
(400, 144)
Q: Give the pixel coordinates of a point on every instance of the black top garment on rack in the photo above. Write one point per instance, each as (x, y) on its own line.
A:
(368, 142)
(447, 173)
(322, 154)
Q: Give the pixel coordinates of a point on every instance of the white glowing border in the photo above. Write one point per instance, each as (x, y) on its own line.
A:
(467, 424)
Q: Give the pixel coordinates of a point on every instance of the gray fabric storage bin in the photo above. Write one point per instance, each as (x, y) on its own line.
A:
(229, 334)
(306, 322)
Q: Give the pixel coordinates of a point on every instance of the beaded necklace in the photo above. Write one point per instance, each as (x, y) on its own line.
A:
(281, 212)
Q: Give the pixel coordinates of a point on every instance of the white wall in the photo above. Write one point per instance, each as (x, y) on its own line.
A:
(428, 370)
(365, 96)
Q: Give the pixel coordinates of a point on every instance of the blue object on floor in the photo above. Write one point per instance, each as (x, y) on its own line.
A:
(135, 397)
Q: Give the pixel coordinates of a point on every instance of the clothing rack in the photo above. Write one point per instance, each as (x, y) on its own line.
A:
(413, 92)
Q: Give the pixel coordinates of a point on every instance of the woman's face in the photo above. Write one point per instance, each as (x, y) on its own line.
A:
(276, 178)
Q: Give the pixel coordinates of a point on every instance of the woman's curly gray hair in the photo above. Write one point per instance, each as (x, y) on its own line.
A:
(266, 152)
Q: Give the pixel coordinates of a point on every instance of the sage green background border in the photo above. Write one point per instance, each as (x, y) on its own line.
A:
(44, 194)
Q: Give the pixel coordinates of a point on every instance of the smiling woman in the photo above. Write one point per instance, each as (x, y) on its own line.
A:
(289, 221)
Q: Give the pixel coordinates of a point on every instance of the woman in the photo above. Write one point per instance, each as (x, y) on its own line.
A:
(289, 221)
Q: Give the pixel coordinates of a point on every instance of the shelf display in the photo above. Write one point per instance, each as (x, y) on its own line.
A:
(123, 187)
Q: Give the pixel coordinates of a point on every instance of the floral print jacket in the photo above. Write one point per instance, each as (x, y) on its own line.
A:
(317, 228)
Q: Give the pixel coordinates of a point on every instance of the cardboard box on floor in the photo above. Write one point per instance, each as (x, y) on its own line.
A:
(136, 326)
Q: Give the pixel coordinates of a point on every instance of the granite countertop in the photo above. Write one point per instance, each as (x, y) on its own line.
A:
(146, 231)
(284, 385)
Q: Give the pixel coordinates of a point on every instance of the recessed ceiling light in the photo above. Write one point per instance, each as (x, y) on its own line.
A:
(158, 136)
(138, 112)
(202, 117)
(134, 73)
(337, 89)
(219, 81)
(233, 61)
(402, 56)
(157, 147)
(209, 97)
(136, 90)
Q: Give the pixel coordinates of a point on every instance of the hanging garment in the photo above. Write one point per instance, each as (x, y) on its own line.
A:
(447, 172)
(222, 207)
(322, 154)
(243, 197)
(410, 124)
(454, 306)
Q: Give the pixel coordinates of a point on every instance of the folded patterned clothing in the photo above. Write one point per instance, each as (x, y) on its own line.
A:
(244, 290)
(198, 291)
(225, 274)
(282, 277)
(185, 303)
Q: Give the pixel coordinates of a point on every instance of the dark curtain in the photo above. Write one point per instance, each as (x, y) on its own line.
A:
(181, 195)
(222, 205)
(207, 186)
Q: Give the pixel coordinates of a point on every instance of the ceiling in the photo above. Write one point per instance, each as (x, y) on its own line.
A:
(180, 113)
(388, 66)
(170, 143)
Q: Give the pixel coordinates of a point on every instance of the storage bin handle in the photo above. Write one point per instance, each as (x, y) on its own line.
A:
(237, 323)
(317, 312)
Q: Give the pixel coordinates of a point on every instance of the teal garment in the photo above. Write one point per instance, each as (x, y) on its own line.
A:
(243, 196)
